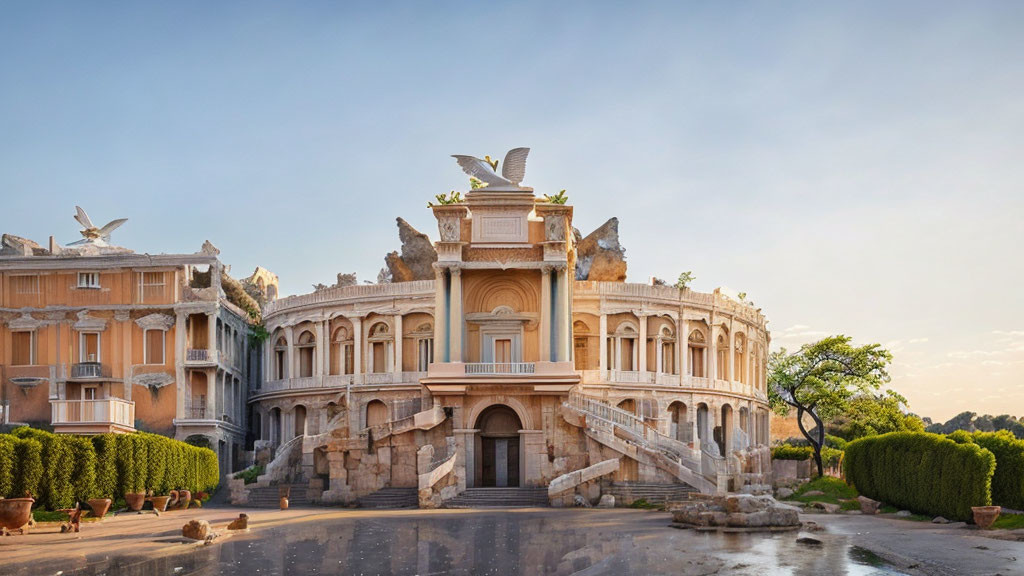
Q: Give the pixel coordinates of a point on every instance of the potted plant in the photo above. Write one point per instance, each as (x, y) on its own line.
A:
(985, 516)
(159, 502)
(135, 500)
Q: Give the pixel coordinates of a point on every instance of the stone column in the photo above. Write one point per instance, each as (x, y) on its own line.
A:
(440, 316)
(712, 350)
(658, 355)
(179, 363)
(617, 358)
(212, 376)
(642, 351)
(545, 314)
(289, 337)
(455, 317)
(328, 344)
(318, 362)
(562, 323)
(683, 343)
(397, 369)
(357, 344)
(602, 344)
(211, 329)
(731, 357)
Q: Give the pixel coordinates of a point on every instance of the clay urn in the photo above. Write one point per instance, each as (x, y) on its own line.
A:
(15, 512)
(99, 506)
(867, 505)
(184, 499)
(284, 502)
(985, 516)
(159, 502)
(135, 500)
(174, 499)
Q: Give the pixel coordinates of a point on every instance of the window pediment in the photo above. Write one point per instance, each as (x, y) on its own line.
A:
(24, 322)
(86, 323)
(155, 321)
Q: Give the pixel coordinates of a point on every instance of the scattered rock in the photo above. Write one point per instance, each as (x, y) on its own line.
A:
(418, 255)
(600, 257)
(737, 511)
(904, 514)
(828, 508)
(867, 505)
(580, 502)
(939, 520)
(784, 492)
(607, 501)
(813, 527)
(240, 523)
(196, 529)
(808, 540)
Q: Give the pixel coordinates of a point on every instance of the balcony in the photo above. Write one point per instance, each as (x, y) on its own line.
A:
(92, 416)
(89, 371)
(340, 381)
(500, 368)
(200, 357)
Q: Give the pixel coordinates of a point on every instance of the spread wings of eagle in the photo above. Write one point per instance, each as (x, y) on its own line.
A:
(513, 168)
(91, 231)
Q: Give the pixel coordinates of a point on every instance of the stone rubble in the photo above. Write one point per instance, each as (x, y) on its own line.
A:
(737, 511)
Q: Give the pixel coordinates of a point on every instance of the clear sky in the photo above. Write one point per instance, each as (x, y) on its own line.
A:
(855, 169)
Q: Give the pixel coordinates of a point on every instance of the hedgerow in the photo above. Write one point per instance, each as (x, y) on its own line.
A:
(829, 456)
(1008, 480)
(59, 470)
(921, 472)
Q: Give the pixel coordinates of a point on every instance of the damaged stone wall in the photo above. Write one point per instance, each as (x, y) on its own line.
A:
(600, 257)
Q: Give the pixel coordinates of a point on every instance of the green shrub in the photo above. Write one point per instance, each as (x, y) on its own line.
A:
(28, 467)
(251, 473)
(6, 466)
(105, 447)
(921, 472)
(1008, 480)
(829, 456)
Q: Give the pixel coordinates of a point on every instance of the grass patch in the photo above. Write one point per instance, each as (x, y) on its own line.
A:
(1009, 522)
(47, 516)
(835, 491)
(849, 505)
(643, 504)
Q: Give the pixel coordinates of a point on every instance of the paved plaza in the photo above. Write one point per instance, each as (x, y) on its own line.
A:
(522, 541)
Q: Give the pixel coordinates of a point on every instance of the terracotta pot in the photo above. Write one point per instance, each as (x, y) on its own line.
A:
(135, 500)
(100, 506)
(174, 499)
(284, 503)
(159, 502)
(985, 516)
(15, 512)
(867, 505)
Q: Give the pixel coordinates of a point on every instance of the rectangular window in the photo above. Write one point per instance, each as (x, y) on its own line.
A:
(154, 347)
(580, 353)
(90, 393)
(90, 280)
(502, 351)
(25, 284)
(89, 347)
(350, 363)
(151, 286)
(23, 349)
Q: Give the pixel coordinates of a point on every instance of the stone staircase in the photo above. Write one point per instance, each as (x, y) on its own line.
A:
(391, 498)
(269, 497)
(500, 498)
(628, 492)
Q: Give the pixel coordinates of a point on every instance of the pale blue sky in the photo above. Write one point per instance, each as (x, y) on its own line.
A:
(853, 168)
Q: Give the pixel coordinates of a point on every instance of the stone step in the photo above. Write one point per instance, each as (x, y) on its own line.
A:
(628, 492)
(391, 498)
(500, 497)
(269, 497)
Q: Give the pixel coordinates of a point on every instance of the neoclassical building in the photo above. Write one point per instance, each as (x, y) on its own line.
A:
(514, 360)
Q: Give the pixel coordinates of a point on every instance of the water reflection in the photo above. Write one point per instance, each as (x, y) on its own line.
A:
(515, 543)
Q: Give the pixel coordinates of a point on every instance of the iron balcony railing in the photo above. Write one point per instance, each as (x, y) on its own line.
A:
(87, 370)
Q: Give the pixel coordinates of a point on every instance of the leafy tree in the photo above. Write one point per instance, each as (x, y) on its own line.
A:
(821, 378)
(870, 414)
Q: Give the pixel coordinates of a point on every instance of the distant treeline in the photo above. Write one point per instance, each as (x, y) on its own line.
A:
(971, 422)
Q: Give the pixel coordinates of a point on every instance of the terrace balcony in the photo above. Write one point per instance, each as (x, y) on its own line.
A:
(92, 416)
(89, 371)
(200, 357)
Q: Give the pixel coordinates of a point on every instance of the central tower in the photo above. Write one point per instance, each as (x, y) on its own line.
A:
(503, 325)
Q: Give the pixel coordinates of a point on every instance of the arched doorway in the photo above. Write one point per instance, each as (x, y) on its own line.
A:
(629, 405)
(275, 425)
(724, 438)
(680, 428)
(300, 420)
(704, 427)
(376, 413)
(499, 448)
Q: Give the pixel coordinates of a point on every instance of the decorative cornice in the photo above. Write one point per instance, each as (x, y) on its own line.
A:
(153, 381)
(156, 321)
(25, 322)
(87, 324)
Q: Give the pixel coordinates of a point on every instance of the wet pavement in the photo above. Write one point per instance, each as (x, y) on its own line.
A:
(556, 542)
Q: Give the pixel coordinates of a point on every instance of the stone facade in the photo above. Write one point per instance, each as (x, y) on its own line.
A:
(500, 340)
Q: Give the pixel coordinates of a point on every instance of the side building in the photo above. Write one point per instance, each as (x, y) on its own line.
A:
(95, 338)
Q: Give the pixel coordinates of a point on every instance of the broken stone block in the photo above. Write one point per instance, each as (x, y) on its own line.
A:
(417, 259)
(607, 501)
(196, 529)
(600, 257)
(240, 523)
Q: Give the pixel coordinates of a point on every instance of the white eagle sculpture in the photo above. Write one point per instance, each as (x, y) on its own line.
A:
(92, 234)
(513, 169)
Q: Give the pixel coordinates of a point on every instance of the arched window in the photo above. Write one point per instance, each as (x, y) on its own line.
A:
(280, 358)
(342, 352)
(697, 344)
(380, 348)
(307, 350)
(376, 413)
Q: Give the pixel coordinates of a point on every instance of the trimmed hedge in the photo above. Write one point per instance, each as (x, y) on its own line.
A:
(59, 470)
(921, 472)
(829, 456)
(1008, 481)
